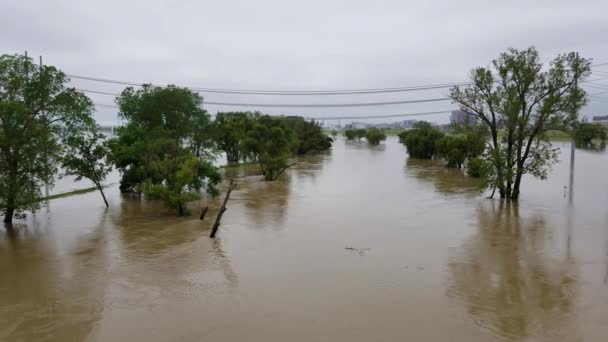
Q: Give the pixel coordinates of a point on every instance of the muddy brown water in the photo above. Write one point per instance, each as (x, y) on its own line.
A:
(360, 244)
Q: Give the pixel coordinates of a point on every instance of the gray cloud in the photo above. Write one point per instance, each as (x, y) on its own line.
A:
(314, 44)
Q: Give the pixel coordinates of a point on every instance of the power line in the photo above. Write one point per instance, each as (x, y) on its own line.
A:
(377, 116)
(306, 105)
(286, 92)
(292, 92)
(298, 105)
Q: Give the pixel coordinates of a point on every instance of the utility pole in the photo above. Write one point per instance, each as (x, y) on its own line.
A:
(572, 152)
(46, 186)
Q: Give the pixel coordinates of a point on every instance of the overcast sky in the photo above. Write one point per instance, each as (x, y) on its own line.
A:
(299, 45)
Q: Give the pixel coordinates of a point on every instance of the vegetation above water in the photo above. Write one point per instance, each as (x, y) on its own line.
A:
(166, 148)
(526, 99)
(374, 136)
(586, 133)
(160, 151)
(37, 109)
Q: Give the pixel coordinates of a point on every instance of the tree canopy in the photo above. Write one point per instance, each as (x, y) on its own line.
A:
(350, 134)
(230, 130)
(421, 140)
(309, 135)
(585, 133)
(271, 145)
(36, 110)
(161, 150)
(86, 156)
(374, 136)
(524, 98)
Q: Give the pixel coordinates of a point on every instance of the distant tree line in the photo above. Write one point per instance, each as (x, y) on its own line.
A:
(373, 135)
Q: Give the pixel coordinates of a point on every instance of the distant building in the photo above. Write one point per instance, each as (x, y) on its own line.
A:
(602, 120)
(408, 123)
(459, 117)
(383, 126)
(359, 125)
(348, 126)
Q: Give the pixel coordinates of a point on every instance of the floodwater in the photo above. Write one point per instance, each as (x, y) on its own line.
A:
(360, 244)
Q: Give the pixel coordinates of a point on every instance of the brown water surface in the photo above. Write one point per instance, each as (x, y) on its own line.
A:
(361, 244)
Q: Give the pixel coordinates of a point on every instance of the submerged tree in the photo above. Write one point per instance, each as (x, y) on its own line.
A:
(159, 151)
(184, 175)
(421, 140)
(271, 144)
(466, 142)
(360, 133)
(86, 157)
(585, 133)
(521, 96)
(309, 134)
(350, 134)
(36, 108)
(374, 136)
(229, 133)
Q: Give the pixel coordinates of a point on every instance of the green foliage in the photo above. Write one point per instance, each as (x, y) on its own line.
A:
(421, 140)
(86, 157)
(350, 134)
(230, 130)
(374, 136)
(360, 133)
(309, 134)
(36, 108)
(526, 99)
(467, 141)
(452, 149)
(334, 133)
(475, 167)
(184, 175)
(271, 145)
(585, 133)
(162, 150)
(402, 135)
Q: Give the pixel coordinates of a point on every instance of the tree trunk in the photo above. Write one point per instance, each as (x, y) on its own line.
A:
(100, 188)
(204, 212)
(9, 212)
(220, 213)
(515, 193)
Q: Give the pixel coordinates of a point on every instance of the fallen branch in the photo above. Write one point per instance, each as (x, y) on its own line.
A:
(216, 225)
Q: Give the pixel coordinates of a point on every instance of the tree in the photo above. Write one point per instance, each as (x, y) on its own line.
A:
(421, 140)
(402, 135)
(271, 144)
(334, 133)
(585, 133)
(374, 136)
(183, 175)
(467, 141)
(230, 130)
(525, 98)
(36, 108)
(452, 149)
(360, 133)
(86, 157)
(161, 151)
(350, 134)
(309, 135)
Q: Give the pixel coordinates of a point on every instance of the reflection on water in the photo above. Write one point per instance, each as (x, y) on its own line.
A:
(431, 259)
(507, 282)
(446, 180)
